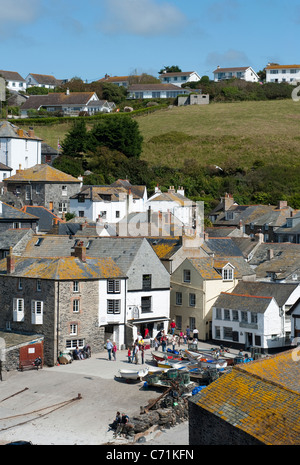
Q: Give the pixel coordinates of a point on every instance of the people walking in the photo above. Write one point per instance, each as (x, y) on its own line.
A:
(129, 355)
(172, 326)
(114, 351)
(136, 353)
(164, 343)
(109, 347)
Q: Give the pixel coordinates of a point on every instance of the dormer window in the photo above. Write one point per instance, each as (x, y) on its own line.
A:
(227, 274)
(229, 215)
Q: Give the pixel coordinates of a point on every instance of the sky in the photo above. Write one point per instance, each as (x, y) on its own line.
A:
(91, 38)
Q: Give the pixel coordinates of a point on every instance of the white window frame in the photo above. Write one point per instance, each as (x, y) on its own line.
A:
(37, 312)
(38, 285)
(73, 329)
(18, 309)
(76, 286)
(64, 191)
(113, 286)
(76, 305)
(113, 306)
(227, 274)
(63, 207)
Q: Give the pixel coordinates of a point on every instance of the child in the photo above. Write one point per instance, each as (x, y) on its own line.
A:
(129, 355)
(114, 350)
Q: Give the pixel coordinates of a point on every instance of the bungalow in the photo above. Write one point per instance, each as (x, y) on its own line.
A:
(246, 73)
(149, 91)
(69, 103)
(100, 106)
(117, 80)
(282, 73)
(14, 80)
(179, 78)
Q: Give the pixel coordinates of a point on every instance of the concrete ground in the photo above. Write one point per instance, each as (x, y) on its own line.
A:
(75, 403)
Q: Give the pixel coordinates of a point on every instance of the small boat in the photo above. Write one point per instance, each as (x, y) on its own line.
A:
(206, 362)
(161, 357)
(133, 374)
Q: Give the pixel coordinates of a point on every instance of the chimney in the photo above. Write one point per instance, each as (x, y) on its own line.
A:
(20, 169)
(31, 132)
(270, 254)
(228, 201)
(282, 204)
(68, 91)
(180, 190)
(171, 190)
(157, 189)
(20, 132)
(80, 251)
(10, 262)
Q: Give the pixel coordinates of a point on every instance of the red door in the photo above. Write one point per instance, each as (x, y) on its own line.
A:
(31, 352)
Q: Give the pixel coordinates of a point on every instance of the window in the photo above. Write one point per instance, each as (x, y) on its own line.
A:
(227, 274)
(62, 207)
(113, 286)
(16, 225)
(146, 284)
(146, 304)
(178, 298)
(73, 343)
(235, 315)
(20, 284)
(81, 213)
(76, 305)
(244, 317)
(73, 329)
(155, 94)
(192, 323)
(178, 320)
(117, 214)
(103, 214)
(186, 276)
(39, 241)
(192, 300)
(226, 314)
(64, 191)
(81, 198)
(253, 317)
(218, 313)
(38, 285)
(113, 306)
(38, 189)
(217, 332)
(36, 312)
(75, 286)
(28, 193)
(227, 333)
(18, 309)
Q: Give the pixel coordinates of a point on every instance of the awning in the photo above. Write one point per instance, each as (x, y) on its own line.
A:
(148, 320)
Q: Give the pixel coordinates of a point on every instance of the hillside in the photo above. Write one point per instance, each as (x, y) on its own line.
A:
(222, 133)
(255, 145)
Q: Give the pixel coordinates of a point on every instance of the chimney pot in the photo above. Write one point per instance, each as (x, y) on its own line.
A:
(10, 262)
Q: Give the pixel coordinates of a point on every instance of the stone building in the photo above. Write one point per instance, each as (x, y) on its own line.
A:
(67, 300)
(256, 403)
(45, 186)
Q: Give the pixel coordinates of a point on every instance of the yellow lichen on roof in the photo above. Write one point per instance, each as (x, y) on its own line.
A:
(163, 250)
(261, 409)
(41, 172)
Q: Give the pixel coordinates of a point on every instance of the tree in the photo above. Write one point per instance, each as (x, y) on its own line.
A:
(113, 93)
(170, 69)
(118, 132)
(76, 140)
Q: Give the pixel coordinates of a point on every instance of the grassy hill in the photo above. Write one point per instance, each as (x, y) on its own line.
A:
(222, 133)
(256, 145)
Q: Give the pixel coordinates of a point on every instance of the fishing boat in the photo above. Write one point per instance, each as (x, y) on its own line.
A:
(161, 357)
(133, 374)
(204, 361)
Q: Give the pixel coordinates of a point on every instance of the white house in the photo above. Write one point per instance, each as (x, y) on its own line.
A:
(179, 78)
(246, 73)
(42, 80)
(18, 147)
(145, 91)
(251, 321)
(282, 73)
(108, 203)
(175, 202)
(14, 80)
(294, 313)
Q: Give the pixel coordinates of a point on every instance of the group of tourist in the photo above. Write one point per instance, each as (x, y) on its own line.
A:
(136, 350)
(111, 348)
(162, 339)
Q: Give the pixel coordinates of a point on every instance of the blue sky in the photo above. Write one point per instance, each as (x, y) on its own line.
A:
(90, 38)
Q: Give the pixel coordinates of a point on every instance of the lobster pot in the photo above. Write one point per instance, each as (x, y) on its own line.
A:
(185, 378)
(172, 374)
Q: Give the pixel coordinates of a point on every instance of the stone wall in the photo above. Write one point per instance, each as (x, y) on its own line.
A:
(205, 429)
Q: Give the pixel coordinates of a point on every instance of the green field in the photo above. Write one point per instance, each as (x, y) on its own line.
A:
(222, 133)
(235, 134)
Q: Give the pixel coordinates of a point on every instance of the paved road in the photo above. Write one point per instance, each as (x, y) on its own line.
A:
(81, 400)
(82, 419)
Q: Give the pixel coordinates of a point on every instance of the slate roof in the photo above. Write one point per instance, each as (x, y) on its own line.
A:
(256, 214)
(63, 268)
(165, 248)
(11, 237)
(12, 213)
(10, 131)
(11, 76)
(222, 247)
(155, 87)
(286, 259)
(221, 70)
(42, 173)
(280, 291)
(209, 267)
(180, 73)
(121, 249)
(171, 197)
(117, 191)
(45, 79)
(45, 216)
(252, 303)
(261, 398)
(57, 99)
